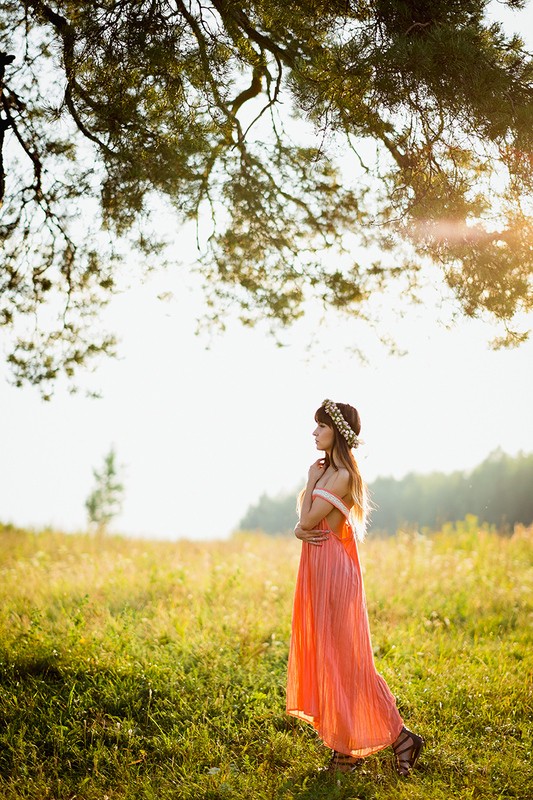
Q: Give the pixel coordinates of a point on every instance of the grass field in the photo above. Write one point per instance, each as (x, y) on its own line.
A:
(156, 670)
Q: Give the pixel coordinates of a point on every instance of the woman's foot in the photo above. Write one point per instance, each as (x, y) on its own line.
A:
(340, 762)
(407, 748)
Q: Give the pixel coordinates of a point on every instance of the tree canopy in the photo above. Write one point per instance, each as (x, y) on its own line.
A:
(110, 104)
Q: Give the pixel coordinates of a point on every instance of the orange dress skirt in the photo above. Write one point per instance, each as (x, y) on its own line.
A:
(332, 681)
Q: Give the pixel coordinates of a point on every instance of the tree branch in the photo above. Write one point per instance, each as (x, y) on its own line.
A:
(32, 154)
(4, 123)
(229, 11)
(68, 36)
(252, 91)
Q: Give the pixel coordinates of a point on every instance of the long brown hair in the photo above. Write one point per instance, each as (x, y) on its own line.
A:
(342, 453)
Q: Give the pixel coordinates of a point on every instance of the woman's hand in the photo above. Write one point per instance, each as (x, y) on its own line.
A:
(316, 537)
(316, 471)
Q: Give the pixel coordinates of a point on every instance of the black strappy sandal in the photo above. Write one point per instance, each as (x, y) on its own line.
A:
(407, 749)
(340, 762)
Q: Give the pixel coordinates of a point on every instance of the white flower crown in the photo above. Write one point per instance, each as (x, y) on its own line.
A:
(340, 423)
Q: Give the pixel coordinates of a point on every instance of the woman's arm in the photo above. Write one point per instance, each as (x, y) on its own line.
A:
(312, 510)
(315, 537)
(315, 509)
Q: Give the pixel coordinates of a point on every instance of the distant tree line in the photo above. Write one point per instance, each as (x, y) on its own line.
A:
(271, 514)
(498, 491)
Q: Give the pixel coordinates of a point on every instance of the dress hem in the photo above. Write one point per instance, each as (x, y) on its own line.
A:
(362, 752)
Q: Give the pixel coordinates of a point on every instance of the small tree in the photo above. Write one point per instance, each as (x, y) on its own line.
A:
(105, 501)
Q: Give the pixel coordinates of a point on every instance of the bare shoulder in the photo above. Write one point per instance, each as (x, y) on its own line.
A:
(339, 482)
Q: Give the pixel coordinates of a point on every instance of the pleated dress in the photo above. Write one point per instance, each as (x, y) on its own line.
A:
(332, 681)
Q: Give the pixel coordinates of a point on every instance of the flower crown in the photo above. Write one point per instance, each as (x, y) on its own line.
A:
(340, 423)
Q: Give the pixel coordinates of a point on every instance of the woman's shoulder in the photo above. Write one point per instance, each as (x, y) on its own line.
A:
(339, 482)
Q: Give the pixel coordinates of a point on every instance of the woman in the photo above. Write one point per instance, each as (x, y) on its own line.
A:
(332, 681)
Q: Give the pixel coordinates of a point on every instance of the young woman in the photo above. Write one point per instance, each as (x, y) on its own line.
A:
(332, 681)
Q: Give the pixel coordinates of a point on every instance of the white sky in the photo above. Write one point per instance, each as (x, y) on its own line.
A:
(203, 432)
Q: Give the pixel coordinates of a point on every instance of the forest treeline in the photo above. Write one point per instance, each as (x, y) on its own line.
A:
(498, 491)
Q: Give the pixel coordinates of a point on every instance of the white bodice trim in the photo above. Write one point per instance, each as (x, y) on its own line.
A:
(333, 499)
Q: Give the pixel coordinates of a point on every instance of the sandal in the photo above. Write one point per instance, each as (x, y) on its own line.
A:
(407, 748)
(340, 762)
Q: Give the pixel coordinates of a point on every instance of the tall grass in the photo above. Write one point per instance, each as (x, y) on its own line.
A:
(156, 670)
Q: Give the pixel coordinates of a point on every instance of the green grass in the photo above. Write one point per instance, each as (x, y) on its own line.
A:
(156, 670)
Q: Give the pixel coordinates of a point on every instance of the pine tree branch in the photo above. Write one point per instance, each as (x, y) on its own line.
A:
(68, 37)
(5, 59)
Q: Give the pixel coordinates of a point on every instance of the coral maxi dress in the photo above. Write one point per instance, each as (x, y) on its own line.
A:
(332, 681)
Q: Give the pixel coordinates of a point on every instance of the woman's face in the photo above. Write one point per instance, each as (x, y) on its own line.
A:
(323, 436)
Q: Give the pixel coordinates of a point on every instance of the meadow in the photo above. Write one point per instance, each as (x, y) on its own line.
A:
(135, 670)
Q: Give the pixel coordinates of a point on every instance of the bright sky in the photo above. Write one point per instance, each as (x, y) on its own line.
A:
(203, 432)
